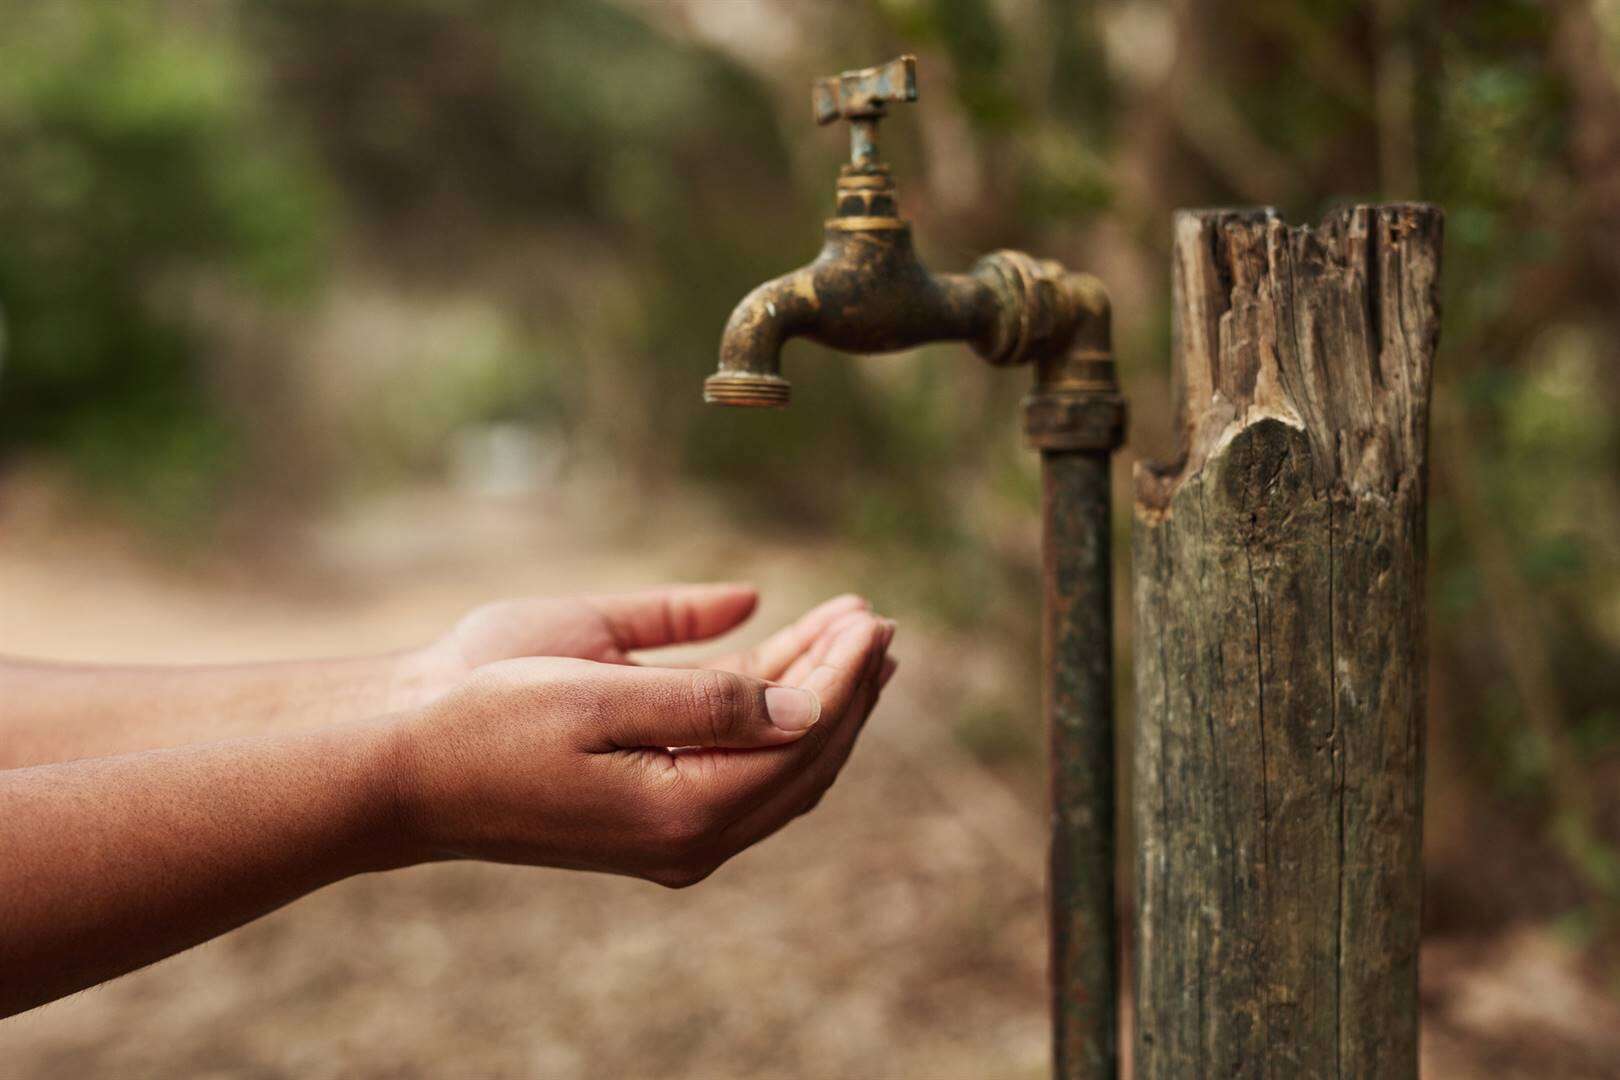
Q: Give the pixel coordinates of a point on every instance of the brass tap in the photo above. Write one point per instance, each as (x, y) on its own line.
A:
(867, 292)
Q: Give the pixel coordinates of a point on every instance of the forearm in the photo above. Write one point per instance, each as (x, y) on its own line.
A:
(60, 712)
(109, 864)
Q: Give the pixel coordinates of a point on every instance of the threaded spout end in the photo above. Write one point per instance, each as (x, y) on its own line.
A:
(747, 390)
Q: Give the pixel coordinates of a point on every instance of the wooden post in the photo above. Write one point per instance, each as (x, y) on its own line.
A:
(1280, 651)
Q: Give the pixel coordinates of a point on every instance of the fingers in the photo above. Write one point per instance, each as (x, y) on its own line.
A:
(640, 707)
(674, 614)
(771, 657)
(859, 649)
(843, 681)
(807, 661)
(801, 790)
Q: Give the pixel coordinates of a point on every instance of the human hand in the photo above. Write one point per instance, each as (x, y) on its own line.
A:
(568, 762)
(609, 627)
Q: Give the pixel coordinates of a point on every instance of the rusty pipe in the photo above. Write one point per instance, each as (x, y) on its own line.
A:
(867, 292)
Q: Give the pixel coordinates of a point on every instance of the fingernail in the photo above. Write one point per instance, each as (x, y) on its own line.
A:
(790, 709)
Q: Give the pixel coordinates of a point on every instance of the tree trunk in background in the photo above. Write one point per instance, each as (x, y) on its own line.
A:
(1280, 651)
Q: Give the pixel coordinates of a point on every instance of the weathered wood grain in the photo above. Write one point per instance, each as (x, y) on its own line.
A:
(1279, 571)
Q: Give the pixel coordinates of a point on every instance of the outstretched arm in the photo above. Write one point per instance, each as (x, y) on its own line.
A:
(53, 712)
(60, 712)
(111, 863)
(108, 864)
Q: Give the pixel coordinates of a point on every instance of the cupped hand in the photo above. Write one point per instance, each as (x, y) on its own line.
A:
(608, 628)
(659, 773)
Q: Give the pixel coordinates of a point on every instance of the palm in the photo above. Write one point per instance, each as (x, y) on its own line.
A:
(608, 629)
(517, 628)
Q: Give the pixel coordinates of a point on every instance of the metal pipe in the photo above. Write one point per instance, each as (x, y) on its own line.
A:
(1078, 700)
(1075, 416)
(867, 292)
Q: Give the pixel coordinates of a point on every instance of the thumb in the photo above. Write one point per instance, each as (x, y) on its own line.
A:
(673, 707)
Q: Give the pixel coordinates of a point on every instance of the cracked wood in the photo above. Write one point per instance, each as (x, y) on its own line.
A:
(1279, 572)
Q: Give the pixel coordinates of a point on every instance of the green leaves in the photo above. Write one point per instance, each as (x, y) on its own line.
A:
(134, 151)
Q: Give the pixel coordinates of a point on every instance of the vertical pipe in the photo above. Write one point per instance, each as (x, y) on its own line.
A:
(1078, 698)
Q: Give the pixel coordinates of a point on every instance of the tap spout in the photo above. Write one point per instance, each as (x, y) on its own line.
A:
(750, 372)
(867, 292)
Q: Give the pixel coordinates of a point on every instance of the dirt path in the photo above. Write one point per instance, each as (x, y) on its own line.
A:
(896, 932)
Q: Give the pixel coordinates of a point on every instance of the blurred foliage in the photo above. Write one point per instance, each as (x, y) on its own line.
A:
(563, 199)
(136, 152)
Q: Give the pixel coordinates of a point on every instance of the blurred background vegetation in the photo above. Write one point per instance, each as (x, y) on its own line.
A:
(258, 259)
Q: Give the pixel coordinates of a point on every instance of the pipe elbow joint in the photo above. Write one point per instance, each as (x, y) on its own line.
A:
(1093, 313)
(1044, 312)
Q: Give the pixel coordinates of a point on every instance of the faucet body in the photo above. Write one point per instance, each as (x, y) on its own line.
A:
(867, 292)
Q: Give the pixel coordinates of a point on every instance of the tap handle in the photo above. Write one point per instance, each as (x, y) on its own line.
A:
(862, 97)
(864, 94)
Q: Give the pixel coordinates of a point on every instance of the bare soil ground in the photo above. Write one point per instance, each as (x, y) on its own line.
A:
(896, 932)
